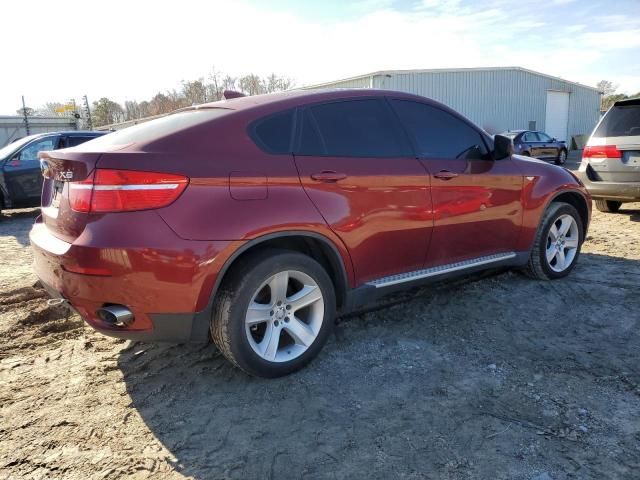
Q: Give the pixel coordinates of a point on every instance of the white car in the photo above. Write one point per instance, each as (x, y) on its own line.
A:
(610, 167)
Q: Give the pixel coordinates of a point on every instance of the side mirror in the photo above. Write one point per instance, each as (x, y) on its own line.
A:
(502, 147)
(554, 139)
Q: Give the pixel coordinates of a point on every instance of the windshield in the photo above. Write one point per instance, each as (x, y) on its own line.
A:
(620, 121)
(510, 134)
(154, 128)
(10, 149)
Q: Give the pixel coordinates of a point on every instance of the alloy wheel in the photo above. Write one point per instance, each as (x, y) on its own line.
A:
(562, 243)
(284, 316)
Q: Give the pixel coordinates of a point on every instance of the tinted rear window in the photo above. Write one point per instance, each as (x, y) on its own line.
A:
(356, 128)
(274, 133)
(154, 129)
(620, 121)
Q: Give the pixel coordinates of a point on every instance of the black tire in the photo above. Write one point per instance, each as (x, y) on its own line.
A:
(538, 267)
(561, 160)
(232, 301)
(608, 206)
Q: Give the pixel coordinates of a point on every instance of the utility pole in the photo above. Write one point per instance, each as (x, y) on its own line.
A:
(26, 119)
(87, 111)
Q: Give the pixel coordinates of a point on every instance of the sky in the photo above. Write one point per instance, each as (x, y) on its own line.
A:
(130, 50)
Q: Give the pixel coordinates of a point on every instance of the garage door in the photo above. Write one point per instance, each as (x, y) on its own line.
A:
(557, 117)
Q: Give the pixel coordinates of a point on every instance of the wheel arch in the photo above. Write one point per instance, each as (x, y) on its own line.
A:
(315, 245)
(577, 200)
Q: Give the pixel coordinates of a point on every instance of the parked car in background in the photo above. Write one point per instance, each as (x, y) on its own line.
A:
(610, 167)
(257, 219)
(20, 175)
(536, 144)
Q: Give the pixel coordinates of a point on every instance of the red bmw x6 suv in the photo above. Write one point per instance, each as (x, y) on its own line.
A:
(256, 220)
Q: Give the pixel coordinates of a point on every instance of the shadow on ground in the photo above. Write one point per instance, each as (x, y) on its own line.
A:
(17, 223)
(503, 375)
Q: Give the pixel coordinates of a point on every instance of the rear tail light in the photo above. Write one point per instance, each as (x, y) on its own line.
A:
(601, 151)
(125, 190)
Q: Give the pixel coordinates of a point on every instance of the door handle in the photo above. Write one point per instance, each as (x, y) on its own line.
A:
(328, 176)
(445, 175)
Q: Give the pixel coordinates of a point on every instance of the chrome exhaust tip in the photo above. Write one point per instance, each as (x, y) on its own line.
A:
(116, 315)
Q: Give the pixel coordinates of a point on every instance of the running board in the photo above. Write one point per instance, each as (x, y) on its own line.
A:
(439, 270)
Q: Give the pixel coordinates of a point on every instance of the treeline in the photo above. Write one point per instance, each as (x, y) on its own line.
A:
(609, 95)
(106, 111)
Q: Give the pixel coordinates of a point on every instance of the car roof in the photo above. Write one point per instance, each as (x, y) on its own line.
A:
(628, 101)
(300, 97)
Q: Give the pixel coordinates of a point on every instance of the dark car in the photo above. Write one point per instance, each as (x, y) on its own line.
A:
(256, 220)
(538, 144)
(20, 176)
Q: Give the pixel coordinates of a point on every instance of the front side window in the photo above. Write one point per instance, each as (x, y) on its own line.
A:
(438, 134)
(30, 152)
(544, 137)
(354, 128)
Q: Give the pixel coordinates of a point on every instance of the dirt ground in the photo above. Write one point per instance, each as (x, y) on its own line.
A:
(496, 377)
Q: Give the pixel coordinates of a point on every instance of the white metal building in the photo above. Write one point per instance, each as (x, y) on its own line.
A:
(12, 127)
(497, 99)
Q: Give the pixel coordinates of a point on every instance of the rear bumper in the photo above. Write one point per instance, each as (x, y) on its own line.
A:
(622, 191)
(166, 284)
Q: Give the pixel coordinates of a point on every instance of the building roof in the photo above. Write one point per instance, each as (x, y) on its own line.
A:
(447, 70)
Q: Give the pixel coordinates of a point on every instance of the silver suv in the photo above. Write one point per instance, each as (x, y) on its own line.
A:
(610, 167)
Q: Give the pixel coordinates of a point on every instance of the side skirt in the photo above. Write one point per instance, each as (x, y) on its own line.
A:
(375, 289)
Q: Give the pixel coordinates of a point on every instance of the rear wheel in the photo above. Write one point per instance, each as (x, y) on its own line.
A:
(608, 206)
(562, 157)
(557, 244)
(274, 313)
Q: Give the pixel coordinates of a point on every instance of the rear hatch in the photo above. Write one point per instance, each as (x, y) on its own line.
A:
(60, 168)
(613, 151)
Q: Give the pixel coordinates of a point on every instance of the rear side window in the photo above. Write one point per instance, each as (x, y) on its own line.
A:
(437, 133)
(530, 137)
(620, 121)
(274, 133)
(355, 128)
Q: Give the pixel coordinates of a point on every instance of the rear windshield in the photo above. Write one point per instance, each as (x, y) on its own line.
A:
(154, 129)
(620, 121)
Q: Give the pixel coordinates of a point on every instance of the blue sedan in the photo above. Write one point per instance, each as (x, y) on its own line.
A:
(538, 144)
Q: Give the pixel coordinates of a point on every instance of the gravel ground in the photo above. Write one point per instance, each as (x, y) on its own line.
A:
(495, 377)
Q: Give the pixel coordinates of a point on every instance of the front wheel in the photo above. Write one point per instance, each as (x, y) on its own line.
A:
(274, 313)
(562, 157)
(557, 244)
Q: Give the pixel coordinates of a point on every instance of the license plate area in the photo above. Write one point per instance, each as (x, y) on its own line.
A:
(631, 158)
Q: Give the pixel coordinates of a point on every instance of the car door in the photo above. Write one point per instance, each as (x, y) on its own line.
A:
(357, 167)
(476, 200)
(548, 148)
(22, 172)
(532, 143)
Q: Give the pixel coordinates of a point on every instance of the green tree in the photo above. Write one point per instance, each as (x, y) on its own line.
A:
(106, 112)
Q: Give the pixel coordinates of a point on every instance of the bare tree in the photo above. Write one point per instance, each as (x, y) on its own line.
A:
(195, 92)
(607, 87)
